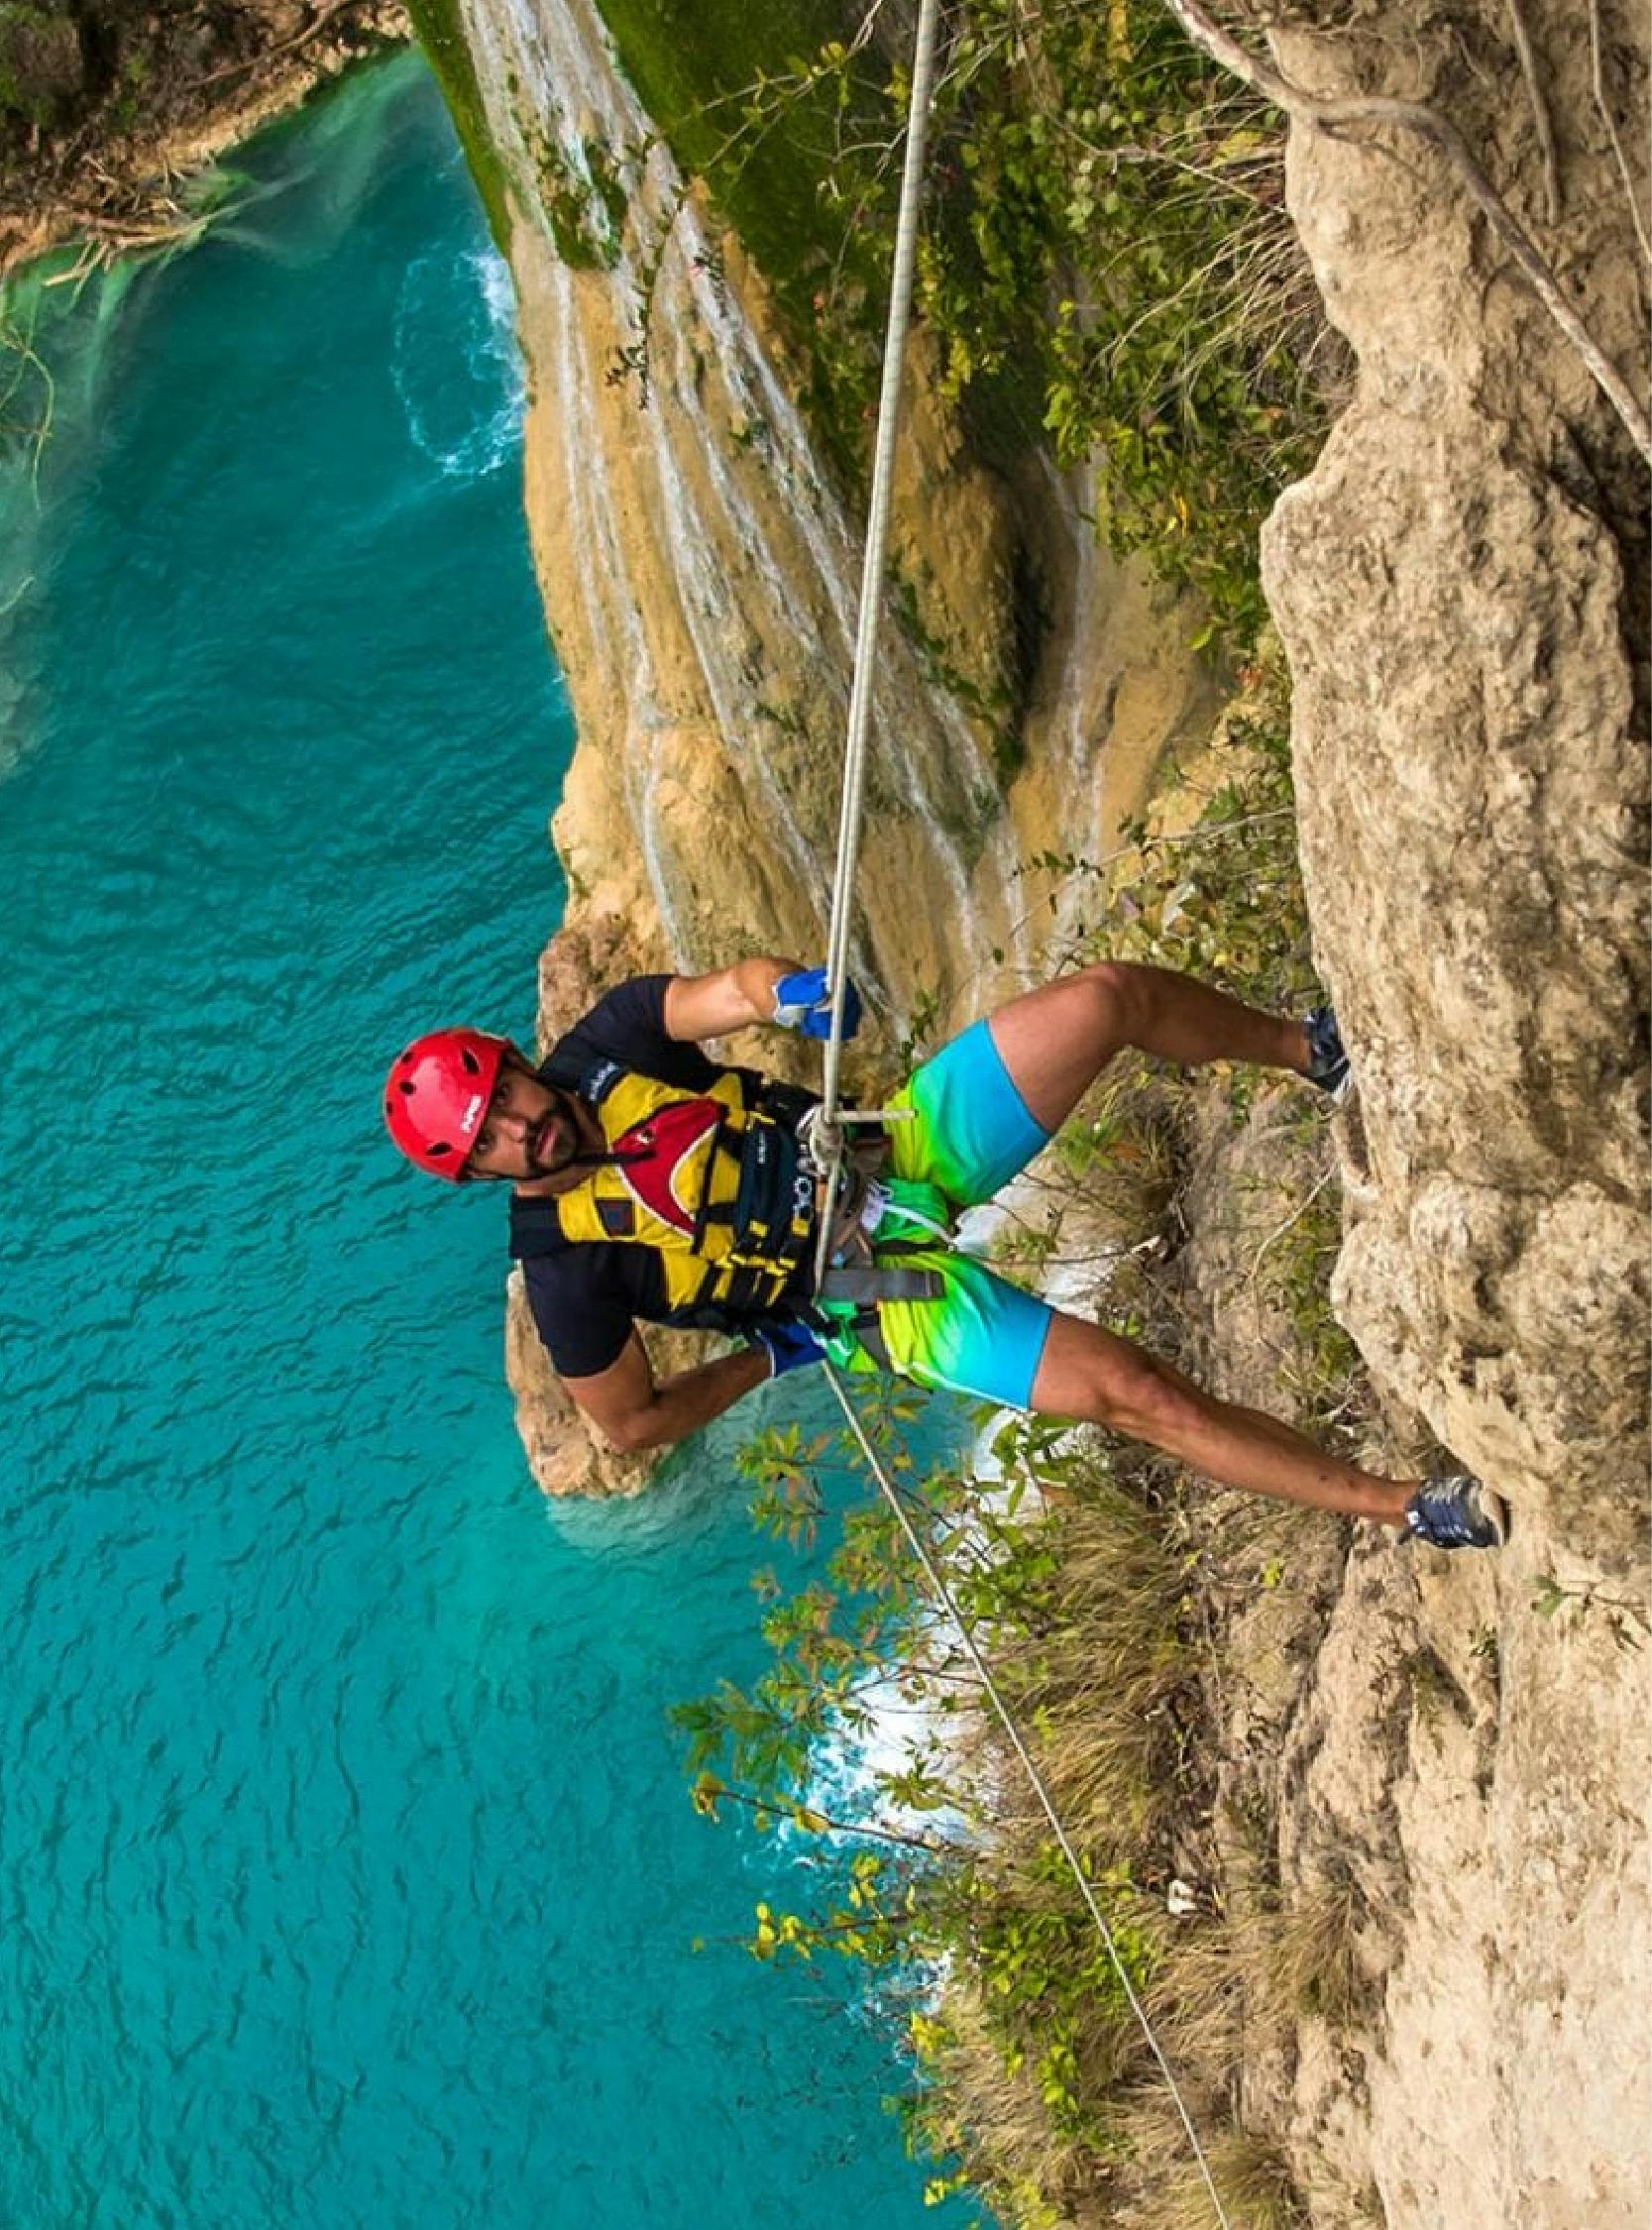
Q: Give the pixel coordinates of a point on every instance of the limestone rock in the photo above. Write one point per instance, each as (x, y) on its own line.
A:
(700, 577)
(565, 1452)
(701, 574)
(1454, 592)
(1460, 585)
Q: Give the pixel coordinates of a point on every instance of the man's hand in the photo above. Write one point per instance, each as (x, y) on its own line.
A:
(804, 1002)
(789, 1347)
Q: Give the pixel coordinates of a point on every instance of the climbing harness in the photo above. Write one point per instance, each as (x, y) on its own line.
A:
(829, 1141)
(713, 1181)
(724, 1185)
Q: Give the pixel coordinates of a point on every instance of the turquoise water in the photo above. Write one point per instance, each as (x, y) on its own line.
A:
(347, 1871)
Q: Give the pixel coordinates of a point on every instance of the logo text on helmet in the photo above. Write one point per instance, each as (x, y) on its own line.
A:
(472, 1113)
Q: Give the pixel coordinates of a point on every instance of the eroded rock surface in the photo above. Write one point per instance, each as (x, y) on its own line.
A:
(1460, 585)
(1452, 585)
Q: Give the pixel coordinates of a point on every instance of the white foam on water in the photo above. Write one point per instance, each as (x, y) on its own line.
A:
(852, 1765)
(463, 441)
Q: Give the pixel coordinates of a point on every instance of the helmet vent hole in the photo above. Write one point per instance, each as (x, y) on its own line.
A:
(438, 1148)
(405, 1087)
(471, 1061)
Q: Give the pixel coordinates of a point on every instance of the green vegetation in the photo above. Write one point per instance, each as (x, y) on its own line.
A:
(1223, 898)
(440, 33)
(1106, 262)
(782, 119)
(1083, 1606)
(41, 67)
(1116, 242)
(583, 202)
(1106, 265)
(1625, 1622)
(1030, 2075)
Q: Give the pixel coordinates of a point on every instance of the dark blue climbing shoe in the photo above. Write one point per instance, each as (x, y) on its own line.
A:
(1327, 1061)
(1457, 1513)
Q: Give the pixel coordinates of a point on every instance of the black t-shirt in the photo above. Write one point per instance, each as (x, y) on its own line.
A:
(585, 1294)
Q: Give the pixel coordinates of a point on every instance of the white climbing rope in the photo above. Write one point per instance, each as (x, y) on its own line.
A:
(828, 1145)
(877, 542)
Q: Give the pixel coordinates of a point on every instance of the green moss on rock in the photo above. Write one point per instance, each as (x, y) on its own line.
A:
(763, 104)
(441, 34)
(42, 65)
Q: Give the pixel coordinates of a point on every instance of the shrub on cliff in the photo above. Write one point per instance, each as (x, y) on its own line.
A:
(1106, 262)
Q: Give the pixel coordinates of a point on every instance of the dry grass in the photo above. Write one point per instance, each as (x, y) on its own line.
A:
(986, 2112)
(1102, 1683)
(1110, 1172)
(1304, 1957)
(1195, 2005)
(1145, 2176)
(1102, 1674)
(1256, 2184)
(1120, 1148)
(1126, 1646)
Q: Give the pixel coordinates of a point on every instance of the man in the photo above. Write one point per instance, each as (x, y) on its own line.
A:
(649, 1184)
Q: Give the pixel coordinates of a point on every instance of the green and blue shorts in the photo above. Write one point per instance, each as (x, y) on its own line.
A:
(970, 1132)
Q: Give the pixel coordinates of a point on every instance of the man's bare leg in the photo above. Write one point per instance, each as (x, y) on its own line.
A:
(1055, 1040)
(1097, 1377)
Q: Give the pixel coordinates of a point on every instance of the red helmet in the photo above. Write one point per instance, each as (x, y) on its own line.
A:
(437, 1094)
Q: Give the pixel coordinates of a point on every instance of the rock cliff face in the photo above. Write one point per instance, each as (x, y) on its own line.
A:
(1460, 587)
(701, 578)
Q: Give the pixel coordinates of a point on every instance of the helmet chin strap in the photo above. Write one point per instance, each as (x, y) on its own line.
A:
(598, 1162)
(601, 1161)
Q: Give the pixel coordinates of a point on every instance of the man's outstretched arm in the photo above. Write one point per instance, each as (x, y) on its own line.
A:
(729, 1000)
(633, 1412)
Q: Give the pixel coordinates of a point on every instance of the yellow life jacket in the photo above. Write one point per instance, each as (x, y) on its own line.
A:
(714, 1182)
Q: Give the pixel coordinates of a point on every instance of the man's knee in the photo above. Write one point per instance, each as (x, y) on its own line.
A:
(1140, 1397)
(1122, 996)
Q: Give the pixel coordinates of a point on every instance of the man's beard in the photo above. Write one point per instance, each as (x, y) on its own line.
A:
(578, 1157)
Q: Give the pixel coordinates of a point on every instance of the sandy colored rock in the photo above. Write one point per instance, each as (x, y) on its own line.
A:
(701, 574)
(1460, 586)
(1453, 585)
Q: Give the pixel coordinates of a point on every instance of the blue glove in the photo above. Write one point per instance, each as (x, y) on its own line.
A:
(789, 1347)
(804, 1002)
